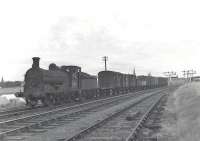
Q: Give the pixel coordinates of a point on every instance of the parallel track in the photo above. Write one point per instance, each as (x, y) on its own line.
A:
(84, 134)
(133, 135)
(10, 127)
(22, 111)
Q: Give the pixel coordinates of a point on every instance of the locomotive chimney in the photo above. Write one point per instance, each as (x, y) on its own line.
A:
(36, 62)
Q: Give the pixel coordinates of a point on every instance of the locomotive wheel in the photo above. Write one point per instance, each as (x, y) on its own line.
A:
(49, 100)
(59, 100)
(53, 100)
(31, 102)
(45, 102)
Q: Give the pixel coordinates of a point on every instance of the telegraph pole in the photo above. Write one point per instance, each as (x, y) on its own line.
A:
(184, 73)
(170, 74)
(192, 72)
(105, 59)
(189, 74)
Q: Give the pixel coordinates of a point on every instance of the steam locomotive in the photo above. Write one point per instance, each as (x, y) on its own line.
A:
(68, 84)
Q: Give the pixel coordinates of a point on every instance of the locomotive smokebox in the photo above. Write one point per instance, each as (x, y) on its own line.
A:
(36, 62)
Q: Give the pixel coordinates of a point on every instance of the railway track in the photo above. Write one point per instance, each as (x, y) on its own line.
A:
(27, 110)
(120, 126)
(48, 119)
(135, 131)
(149, 128)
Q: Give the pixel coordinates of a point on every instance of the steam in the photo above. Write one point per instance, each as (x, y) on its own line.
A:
(10, 101)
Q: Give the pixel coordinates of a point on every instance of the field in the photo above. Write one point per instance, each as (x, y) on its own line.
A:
(10, 90)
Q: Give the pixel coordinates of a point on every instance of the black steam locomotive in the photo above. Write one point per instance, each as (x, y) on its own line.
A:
(67, 83)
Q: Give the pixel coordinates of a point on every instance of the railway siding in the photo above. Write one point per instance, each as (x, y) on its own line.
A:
(72, 128)
(122, 124)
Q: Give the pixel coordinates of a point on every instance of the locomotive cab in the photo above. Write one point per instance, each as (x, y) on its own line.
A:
(51, 86)
(44, 85)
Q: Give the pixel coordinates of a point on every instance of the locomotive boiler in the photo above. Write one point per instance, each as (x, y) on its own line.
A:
(51, 86)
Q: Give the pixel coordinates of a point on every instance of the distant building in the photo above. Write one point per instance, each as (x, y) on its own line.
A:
(2, 81)
(9, 84)
(134, 73)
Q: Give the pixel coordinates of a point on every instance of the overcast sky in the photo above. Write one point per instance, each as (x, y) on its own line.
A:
(151, 35)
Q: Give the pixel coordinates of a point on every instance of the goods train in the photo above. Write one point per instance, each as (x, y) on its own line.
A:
(69, 84)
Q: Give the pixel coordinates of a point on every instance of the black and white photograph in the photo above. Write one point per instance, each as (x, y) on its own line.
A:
(99, 70)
